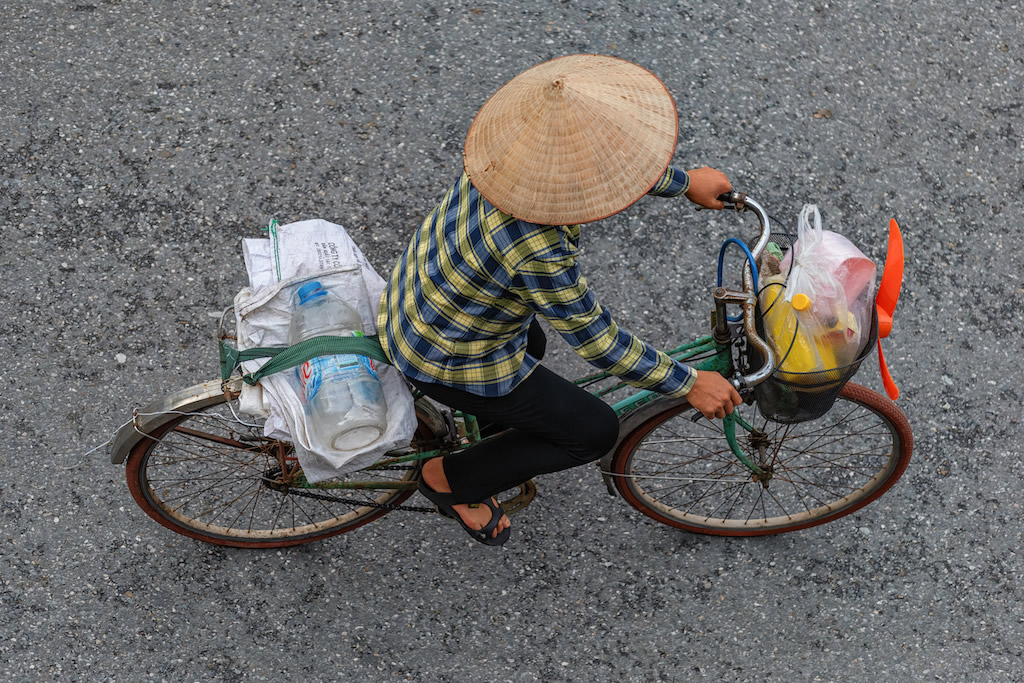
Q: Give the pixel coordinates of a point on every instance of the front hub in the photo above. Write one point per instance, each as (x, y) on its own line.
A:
(760, 443)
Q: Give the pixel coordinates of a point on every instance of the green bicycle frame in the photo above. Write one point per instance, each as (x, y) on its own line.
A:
(713, 356)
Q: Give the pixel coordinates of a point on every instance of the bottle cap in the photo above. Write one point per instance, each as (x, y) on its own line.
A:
(801, 302)
(310, 290)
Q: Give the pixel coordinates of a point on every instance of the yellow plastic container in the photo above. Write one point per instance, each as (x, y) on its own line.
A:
(800, 348)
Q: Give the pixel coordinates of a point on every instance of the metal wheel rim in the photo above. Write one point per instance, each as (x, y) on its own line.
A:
(805, 517)
(262, 462)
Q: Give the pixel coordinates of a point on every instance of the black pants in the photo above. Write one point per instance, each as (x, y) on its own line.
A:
(553, 425)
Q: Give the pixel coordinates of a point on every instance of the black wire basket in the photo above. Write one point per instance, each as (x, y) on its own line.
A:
(791, 397)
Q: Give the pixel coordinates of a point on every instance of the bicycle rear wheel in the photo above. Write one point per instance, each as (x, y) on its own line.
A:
(683, 473)
(209, 476)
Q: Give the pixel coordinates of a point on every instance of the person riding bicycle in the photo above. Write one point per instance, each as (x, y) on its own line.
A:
(567, 142)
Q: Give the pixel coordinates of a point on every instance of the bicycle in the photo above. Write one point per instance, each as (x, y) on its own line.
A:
(197, 468)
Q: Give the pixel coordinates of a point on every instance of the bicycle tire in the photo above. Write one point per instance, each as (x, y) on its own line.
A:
(711, 492)
(205, 475)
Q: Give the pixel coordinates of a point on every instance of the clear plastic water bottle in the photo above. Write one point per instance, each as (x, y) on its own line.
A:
(345, 405)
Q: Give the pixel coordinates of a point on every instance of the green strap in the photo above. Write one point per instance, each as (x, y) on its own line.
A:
(285, 357)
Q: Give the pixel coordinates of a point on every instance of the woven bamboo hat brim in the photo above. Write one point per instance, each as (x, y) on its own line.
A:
(572, 140)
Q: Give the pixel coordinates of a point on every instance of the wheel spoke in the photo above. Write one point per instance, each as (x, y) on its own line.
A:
(193, 455)
(782, 508)
(277, 513)
(739, 490)
(221, 483)
(668, 490)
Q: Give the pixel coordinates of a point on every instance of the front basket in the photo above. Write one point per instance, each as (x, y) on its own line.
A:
(792, 397)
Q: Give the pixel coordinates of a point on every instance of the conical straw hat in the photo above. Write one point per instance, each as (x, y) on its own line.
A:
(572, 140)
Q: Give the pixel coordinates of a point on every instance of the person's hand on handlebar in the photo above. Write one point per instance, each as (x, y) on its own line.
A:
(706, 184)
(713, 395)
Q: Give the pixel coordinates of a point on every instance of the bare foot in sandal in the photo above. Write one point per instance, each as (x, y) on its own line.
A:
(476, 517)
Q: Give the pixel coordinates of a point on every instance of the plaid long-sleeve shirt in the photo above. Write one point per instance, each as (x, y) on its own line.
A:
(458, 305)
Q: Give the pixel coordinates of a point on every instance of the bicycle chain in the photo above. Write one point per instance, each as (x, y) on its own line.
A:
(359, 503)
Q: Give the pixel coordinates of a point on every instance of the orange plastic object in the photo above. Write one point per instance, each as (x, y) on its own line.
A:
(885, 300)
(884, 322)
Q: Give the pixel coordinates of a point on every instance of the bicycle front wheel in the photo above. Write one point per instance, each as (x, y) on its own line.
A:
(682, 472)
(210, 476)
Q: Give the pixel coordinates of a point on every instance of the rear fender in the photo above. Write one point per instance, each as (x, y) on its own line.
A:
(159, 413)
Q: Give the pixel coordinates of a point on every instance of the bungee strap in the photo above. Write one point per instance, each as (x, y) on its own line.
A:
(286, 357)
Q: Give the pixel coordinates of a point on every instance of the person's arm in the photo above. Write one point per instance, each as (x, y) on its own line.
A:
(556, 290)
(553, 286)
(673, 183)
(702, 186)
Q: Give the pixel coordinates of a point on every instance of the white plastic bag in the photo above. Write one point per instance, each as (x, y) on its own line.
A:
(839, 280)
(277, 266)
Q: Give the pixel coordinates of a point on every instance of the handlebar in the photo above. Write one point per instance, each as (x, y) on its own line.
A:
(747, 298)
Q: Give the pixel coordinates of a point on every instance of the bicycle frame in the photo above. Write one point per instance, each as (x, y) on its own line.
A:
(719, 361)
(715, 357)
(198, 468)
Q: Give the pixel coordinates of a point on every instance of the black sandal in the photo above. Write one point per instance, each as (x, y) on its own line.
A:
(444, 502)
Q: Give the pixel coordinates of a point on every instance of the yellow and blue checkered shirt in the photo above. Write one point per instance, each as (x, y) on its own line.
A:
(459, 302)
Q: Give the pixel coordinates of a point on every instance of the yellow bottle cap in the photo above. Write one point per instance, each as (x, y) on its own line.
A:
(801, 302)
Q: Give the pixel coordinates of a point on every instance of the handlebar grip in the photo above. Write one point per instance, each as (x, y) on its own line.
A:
(732, 197)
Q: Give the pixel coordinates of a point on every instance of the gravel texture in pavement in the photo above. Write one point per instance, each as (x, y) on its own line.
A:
(139, 142)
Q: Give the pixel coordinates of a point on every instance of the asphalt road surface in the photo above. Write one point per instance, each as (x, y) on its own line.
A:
(139, 142)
